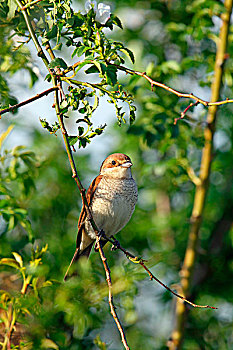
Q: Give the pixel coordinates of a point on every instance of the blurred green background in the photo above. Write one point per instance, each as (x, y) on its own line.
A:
(174, 42)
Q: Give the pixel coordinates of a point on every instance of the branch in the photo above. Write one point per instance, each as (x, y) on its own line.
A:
(39, 49)
(152, 83)
(175, 92)
(110, 298)
(134, 259)
(57, 84)
(186, 272)
(30, 4)
(185, 111)
(31, 99)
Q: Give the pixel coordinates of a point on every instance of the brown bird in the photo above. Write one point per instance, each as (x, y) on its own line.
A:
(111, 197)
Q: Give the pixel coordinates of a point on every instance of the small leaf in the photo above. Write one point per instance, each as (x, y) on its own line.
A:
(111, 75)
(52, 33)
(129, 53)
(58, 47)
(80, 130)
(98, 66)
(10, 262)
(96, 103)
(5, 134)
(83, 142)
(58, 62)
(92, 69)
(73, 140)
(81, 65)
(12, 8)
(18, 258)
(49, 344)
(79, 51)
(47, 284)
(116, 21)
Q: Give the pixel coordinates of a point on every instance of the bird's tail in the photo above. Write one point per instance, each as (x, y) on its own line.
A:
(78, 254)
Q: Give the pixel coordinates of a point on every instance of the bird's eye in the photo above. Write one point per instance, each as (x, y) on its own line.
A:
(113, 162)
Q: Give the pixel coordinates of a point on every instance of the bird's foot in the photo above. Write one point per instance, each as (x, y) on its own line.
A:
(115, 245)
(101, 236)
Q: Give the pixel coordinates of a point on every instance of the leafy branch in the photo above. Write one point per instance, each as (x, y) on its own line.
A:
(55, 81)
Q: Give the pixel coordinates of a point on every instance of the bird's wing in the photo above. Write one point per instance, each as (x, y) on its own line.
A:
(90, 194)
(81, 231)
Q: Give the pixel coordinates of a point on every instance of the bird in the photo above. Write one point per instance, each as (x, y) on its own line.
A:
(111, 197)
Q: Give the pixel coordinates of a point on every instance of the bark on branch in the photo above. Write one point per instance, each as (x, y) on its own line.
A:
(57, 84)
(31, 99)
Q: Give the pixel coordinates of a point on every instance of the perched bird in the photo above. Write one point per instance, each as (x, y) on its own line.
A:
(111, 197)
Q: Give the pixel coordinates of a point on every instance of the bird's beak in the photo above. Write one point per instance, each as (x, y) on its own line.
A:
(126, 165)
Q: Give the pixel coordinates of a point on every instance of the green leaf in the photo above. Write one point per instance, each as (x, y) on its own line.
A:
(58, 47)
(79, 51)
(129, 53)
(52, 33)
(5, 134)
(49, 344)
(99, 66)
(96, 103)
(132, 117)
(116, 20)
(92, 69)
(18, 258)
(58, 62)
(83, 142)
(73, 139)
(80, 130)
(76, 20)
(10, 262)
(12, 8)
(111, 75)
(87, 61)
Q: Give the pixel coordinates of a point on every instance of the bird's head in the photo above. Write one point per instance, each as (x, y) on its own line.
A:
(117, 165)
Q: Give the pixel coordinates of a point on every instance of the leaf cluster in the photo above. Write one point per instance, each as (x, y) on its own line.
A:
(57, 24)
(17, 172)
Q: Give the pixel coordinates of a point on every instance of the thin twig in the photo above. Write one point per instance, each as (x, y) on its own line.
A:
(110, 298)
(170, 290)
(177, 93)
(30, 4)
(193, 177)
(57, 82)
(31, 99)
(185, 111)
(161, 85)
(140, 261)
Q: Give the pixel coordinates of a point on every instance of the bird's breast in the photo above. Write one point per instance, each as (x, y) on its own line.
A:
(113, 204)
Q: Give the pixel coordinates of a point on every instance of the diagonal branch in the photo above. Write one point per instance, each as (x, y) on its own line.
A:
(158, 84)
(32, 3)
(175, 92)
(136, 260)
(110, 298)
(57, 84)
(31, 99)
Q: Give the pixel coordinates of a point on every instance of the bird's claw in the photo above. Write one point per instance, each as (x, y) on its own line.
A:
(101, 235)
(115, 245)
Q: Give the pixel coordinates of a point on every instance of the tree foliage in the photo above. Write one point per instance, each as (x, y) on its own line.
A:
(174, 42)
